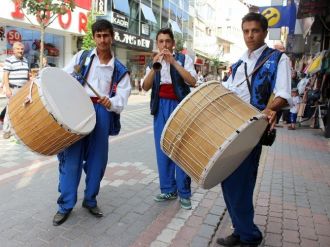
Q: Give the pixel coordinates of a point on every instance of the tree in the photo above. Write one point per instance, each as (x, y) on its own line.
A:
(178, 42)
(46, 11)
(88, 41)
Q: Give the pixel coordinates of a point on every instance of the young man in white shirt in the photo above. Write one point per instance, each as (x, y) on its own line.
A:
(273, 77)
(170, 84)
(111, 80)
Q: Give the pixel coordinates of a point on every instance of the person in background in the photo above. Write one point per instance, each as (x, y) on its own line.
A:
(15, 74)
(169, 86)
(294, 109)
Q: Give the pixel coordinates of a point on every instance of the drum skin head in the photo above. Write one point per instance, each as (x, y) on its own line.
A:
(233, 152)
(66, 100)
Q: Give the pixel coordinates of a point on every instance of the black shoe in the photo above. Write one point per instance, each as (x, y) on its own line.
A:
(96, 211)
(257, 243)
(231, 240)
(60, 218)
(249, 245)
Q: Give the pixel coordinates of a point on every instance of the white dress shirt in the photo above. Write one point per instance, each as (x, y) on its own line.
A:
(100, 78)
(165, 76)
(283, 77)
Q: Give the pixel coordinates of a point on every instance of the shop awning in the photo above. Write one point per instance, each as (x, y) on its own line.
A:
(121, 5)
(308, 8)
(148, 14)
(175, 26)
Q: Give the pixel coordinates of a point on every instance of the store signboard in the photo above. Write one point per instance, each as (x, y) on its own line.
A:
(100, 7)
(133, 40)
(145, 29)
(119, 20)
(74, 22)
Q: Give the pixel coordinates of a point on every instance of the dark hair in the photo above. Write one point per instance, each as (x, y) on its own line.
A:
(102, 25)
(165, 30)
(256, 17)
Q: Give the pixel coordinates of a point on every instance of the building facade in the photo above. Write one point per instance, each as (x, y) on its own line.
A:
(136, 23)
(60, 38)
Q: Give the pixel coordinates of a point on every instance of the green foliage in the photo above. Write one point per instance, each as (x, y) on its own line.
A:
(178, 42)
(216, 62)
(46, 12)
(88, 42)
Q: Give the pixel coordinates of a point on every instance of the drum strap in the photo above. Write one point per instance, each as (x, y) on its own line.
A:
(254, 70)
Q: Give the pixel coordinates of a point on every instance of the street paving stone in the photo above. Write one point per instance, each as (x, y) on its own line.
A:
(292, 197)
(28, 185)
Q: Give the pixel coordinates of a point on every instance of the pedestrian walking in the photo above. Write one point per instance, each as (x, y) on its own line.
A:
(294, 109)
(169, 77)
(110, 78)
(15, 75)
(273, 77)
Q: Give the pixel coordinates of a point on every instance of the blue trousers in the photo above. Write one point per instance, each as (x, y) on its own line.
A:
(238, 194)
(90, 154)
(171, 177)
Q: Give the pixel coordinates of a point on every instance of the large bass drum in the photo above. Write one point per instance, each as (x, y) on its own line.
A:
(51, 113)
(211, 132)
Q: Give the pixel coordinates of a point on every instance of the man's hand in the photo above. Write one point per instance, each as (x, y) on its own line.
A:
(105, 101)
(168, 56)
(8, 92)
(271, 116)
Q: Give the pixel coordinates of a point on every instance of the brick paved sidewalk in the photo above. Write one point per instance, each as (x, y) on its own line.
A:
(292, 198)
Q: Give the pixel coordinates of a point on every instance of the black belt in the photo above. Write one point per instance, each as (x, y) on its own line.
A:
(14, 86)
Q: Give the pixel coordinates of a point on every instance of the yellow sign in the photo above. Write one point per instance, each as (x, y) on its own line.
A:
(272, 15)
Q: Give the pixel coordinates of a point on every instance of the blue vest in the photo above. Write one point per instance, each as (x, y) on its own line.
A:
(181, 89)
(264, 79)
(118, 73)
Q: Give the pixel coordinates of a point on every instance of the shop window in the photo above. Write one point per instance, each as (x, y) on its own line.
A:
(148, 14)
(53, 46)
(122, 6)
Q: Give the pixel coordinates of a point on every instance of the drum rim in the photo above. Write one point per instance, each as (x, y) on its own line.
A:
(47, 106)
(224, 146)
(178, 107)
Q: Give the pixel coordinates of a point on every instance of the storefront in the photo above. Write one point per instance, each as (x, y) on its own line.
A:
(133, 51)
(60, 40)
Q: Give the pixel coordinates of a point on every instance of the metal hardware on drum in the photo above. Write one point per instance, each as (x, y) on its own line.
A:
(77, 72)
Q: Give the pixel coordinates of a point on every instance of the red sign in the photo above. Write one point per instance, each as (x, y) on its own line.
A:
(13, 36)
(199, 61)
(64, 21)
(85, 4)
(142, 59)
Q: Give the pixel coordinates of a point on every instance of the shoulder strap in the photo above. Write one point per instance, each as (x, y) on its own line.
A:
(82, 61)
(256, 68)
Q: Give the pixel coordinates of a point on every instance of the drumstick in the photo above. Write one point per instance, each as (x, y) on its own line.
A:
(77, 72)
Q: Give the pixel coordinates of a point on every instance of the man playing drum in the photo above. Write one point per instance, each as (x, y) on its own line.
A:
(273, 77)
(170, 78)
(111, 80)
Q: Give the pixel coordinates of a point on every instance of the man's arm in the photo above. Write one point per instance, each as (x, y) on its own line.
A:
(148, 80)
(277, 104)
(5, 79)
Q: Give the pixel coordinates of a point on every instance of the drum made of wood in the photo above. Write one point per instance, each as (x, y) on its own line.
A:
(211, 132)
(51, 112)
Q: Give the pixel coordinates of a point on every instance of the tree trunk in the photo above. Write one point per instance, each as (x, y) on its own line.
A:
(42, 37)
